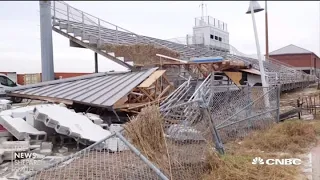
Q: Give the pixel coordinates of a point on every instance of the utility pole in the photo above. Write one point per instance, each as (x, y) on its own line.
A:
(261, 67)
(255, 7)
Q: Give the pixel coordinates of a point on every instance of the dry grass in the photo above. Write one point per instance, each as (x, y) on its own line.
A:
(146, 133)
(141, 54)
(291, 136)
(284, 140)
(177, 159)
(316, 126)
(238, 167)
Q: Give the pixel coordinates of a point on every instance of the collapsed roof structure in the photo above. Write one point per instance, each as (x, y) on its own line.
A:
(121, 90)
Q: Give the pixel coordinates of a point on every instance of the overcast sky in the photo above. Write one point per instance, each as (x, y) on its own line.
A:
(295, 22)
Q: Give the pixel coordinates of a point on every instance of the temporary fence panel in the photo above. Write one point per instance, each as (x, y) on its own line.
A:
(111, 158)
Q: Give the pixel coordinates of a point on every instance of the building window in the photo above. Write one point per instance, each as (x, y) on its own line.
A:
(220, 39)
(216, 37)
(211, 36)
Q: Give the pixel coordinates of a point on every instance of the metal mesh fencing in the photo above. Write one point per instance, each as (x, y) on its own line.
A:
(189, 138)
(112, 158)
(250, 109)
(235, 112)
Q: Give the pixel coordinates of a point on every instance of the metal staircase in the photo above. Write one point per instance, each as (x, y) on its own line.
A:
(93, 33)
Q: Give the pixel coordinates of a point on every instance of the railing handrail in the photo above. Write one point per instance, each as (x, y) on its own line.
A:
(62, 2)
(125, 30)
(277, 64)
(200, 87)
(118, 27)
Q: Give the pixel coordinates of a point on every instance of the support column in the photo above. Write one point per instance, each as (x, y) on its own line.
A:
(96, 62)
(47, 68)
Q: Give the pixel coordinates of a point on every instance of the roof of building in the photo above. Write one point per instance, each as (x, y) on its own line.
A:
(290, 49)
(100, 89)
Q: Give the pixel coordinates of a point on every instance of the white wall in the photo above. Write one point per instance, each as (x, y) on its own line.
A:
(253, 79)
(206, 31)
(202, 32)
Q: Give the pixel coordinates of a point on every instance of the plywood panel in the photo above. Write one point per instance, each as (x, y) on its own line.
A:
(121, 101)
(151, 79)
(235, 77)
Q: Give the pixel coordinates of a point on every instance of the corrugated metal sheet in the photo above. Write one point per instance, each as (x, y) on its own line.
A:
(101, 89)
(290, 49)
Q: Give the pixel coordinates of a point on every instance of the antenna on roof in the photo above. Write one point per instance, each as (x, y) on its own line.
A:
(206, 10)
(201, 5)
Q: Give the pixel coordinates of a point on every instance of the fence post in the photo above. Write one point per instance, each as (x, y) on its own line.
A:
(310, 101)
(315, 107)
(215, 134)
(278, 102)
(298, 105)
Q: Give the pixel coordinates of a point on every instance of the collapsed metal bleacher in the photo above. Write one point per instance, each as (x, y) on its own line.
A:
(93, 33)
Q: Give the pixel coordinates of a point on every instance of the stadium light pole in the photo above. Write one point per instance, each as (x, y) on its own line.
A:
(267, 30)
(254, 7)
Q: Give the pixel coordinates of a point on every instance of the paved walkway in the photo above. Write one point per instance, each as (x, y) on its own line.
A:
(315, 156)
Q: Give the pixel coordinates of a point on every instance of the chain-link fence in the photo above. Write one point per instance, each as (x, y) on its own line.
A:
(239, 112)
(235, 112)
(229, 114)
(189, 138)
(111, 158)
(190, 131)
